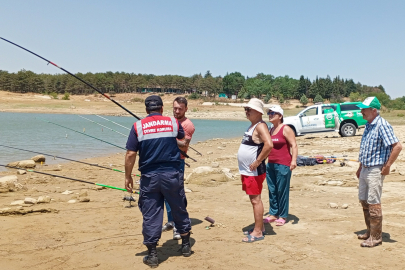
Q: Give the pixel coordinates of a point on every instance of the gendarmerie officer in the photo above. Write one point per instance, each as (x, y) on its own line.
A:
(159, 163)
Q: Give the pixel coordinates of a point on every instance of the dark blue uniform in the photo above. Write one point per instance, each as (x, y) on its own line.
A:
(159, 163)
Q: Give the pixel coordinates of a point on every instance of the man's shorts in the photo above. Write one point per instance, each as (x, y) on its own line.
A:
(253, 185)
(370, 184)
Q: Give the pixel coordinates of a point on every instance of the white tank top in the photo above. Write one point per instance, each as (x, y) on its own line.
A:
(248, 153)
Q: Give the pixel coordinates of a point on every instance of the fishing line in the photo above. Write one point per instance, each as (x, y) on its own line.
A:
(68, 178)
(103, 126)
(82, 162)
(82, 133)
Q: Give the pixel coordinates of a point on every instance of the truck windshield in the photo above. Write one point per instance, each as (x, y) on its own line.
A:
(309, 112)
(349, 107)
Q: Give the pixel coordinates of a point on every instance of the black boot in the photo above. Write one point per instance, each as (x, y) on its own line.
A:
(151, 259)
(185, 245)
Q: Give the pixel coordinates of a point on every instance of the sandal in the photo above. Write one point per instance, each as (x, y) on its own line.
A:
(269, 220)
(252, 239)
(280, 222)
(251, 230)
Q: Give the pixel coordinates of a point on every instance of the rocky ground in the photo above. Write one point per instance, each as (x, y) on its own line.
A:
(55, 223)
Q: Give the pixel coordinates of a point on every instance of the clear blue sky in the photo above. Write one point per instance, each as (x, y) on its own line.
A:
(362, 40)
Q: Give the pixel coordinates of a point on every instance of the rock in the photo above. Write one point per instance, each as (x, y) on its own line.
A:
(333, 205)
(210, 153)
(203, 169)
(39, 158)
(84, 199)
(335, 182)
(21, 172)
(5, 209)
(67, 192)
(18, 202)
(30, 201)
(72, 201)
(214, 164)
(44, 199)
(9, 179)
(23, 164)
(98, 187)
(345, 206)
(83, 193)
(186, 190)
(220, 148)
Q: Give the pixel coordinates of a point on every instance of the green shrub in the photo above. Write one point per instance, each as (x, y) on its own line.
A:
(137, 100)
(267, 99)
(66, 96)
(53, 95)
(297, 106)
(400, 115)
(194, 95)
(318, 98)
(304, 100)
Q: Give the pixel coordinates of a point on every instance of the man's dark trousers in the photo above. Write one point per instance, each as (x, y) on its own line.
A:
(154, 188)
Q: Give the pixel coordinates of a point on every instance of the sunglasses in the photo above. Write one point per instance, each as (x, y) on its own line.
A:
(271, 113)
(247, 109)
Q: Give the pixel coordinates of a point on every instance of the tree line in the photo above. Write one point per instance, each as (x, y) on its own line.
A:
(264, 86)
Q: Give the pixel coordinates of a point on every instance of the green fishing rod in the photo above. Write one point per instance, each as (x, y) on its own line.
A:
(102, 125)
(83, 134)
(68, 178)
(72, 160)
(88, 84)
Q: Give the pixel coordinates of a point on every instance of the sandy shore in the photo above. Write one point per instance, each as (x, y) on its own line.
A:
(105, 233)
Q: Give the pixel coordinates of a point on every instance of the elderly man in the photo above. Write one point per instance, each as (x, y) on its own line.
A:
(254, 149)
(379, 149)
(159, 162)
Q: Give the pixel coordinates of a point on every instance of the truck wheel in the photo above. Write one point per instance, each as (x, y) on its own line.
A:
(348, 130)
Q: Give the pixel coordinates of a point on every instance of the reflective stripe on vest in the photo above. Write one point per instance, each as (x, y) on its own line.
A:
(152, 128)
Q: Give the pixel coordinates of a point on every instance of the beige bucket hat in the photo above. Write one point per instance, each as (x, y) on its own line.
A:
(256, 104)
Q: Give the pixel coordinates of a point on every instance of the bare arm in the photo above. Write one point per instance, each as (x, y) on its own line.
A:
(130, 159)
(264, 136)
(183, 144)
(396, 149)
(290, 136)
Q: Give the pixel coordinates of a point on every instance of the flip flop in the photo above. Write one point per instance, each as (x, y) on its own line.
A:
(252, 239)
(250, 231)
(269, 220)
(280, 222)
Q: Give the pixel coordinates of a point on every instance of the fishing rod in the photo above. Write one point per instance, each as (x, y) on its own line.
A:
(113, 122)
(102, 125)
(68, 178)
(83, 81)
(88, 84)
(82, 162)
(82, 133)
(130, 129)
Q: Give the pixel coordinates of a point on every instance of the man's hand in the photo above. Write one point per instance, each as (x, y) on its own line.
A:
(358, 172)
(385, 170)
(254, 165)
(129, 184)
(293, 165)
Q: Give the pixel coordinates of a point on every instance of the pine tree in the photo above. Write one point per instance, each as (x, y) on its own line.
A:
(318, 98)
(304, 100)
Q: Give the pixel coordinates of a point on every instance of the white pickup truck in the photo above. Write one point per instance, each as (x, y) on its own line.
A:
(312, 119)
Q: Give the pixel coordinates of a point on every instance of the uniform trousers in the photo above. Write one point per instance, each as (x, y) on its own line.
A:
(155, 187)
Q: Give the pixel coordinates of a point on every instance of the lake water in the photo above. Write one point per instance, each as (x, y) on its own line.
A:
(29, 131)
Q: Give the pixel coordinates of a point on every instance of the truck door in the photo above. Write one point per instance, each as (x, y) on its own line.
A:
(310, 120)
(327, 113)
